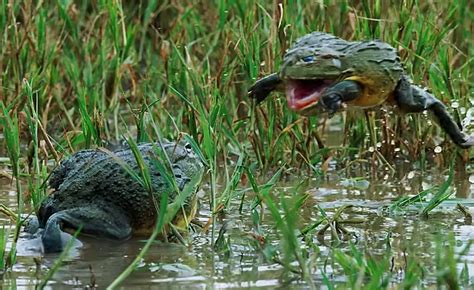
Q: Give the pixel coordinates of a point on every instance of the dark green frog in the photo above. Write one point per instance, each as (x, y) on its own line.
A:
(321, 72)
(94, 192)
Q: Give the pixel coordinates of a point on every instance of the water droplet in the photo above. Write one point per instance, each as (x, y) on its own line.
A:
(397, 149)
(411, 174)
(438, 149)
(371, 149)
(262, 63)
(378, 145)
(455, 105)
(471, 178)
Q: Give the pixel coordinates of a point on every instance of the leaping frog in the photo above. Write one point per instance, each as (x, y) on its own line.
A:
(322, 72)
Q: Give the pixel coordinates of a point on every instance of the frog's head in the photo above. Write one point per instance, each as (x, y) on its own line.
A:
(308, 71)
(185, 163)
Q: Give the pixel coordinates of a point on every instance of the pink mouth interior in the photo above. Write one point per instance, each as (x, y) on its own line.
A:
(301, 94)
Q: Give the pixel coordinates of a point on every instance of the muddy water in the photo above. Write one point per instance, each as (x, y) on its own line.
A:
(198, 266)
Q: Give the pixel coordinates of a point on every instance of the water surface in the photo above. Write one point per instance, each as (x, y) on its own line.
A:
(242, 265)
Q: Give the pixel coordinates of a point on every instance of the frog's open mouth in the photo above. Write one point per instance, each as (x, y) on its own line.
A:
(301, 94)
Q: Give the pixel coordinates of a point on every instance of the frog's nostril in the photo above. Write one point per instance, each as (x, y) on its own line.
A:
(336, 63)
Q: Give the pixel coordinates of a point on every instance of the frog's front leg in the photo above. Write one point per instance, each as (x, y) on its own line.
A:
(91, 220)
(333, 97)
(412, 99)
(260, 90)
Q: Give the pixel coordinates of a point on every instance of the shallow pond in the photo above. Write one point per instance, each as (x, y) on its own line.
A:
(242, 264)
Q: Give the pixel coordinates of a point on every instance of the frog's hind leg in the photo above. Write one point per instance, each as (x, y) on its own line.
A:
(263, 87)
(412, 99)
(103, 222)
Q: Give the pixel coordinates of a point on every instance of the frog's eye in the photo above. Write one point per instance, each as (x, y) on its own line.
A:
(308, 58)
(188, 147)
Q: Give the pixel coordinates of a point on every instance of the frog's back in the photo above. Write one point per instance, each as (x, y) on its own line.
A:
(99, 177)
(318, 38)
(319, 41)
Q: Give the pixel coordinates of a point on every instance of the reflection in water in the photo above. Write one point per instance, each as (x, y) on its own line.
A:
(198, 266)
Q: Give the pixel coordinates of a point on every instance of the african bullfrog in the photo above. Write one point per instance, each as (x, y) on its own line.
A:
(323, 73)
(94, 191)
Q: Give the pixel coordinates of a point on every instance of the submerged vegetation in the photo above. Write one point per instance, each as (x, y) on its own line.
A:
(91, 74)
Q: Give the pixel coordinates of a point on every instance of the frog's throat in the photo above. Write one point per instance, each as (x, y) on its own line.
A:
(302, 94)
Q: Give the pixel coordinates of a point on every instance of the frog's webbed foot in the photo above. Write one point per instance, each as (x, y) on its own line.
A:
(332, 99)
(413, 99)
(263, 87)
(92, 220)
